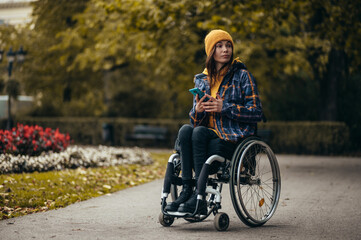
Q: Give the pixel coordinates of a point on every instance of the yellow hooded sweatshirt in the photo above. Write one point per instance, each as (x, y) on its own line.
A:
(214, 91)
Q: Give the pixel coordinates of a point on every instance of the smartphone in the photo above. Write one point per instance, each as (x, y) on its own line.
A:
(196, 91)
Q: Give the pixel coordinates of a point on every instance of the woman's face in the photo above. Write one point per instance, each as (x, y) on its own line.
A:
(223, 52)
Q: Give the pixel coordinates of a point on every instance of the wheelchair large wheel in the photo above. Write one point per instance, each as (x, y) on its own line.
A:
(255, 183)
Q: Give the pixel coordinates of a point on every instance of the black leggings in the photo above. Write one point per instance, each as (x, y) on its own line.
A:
(194, 148)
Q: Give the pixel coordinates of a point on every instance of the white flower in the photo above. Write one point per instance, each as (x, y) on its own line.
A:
(74, 157)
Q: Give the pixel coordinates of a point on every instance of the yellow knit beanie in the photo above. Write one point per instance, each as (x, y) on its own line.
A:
(215, 36)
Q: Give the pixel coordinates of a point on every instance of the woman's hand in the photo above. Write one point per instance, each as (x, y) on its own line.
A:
(199, 105)
(213, 105)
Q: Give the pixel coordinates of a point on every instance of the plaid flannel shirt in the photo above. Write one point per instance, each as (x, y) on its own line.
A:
(241, 109)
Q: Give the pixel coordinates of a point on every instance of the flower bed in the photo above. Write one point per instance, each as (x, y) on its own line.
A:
(32, 140)
(26, 193)
(73, 157)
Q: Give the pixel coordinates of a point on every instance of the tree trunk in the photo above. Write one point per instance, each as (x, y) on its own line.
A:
(335, 72)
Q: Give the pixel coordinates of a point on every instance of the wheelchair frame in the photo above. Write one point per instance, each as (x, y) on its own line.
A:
(254, 179)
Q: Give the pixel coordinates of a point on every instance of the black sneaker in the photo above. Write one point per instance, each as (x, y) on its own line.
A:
(190, 205)
(183, 197)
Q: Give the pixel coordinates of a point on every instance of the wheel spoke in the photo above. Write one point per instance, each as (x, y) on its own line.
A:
(267, 184)
(263, 214)
(248, 188)
(267, 194)
(258, 199)
(259, 207)
(254, 203)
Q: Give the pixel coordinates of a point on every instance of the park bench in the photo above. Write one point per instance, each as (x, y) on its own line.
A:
(146, 133)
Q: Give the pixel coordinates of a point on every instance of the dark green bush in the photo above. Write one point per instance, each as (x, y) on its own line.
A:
(308, 137)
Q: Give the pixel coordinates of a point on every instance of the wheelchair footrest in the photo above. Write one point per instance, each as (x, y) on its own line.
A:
(177, 214)
(184, 215)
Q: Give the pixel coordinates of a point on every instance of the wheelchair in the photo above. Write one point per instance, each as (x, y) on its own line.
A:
(254, 180)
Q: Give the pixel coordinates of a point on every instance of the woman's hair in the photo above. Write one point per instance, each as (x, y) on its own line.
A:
(211, 67)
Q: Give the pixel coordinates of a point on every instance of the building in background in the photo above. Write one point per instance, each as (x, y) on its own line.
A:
(15, 12)
(23, 105)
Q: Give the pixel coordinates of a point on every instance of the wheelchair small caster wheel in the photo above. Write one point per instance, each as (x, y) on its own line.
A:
(166, 221)
(221, 221)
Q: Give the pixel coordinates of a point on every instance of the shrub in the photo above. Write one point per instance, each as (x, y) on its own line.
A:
(321, 138)
(32, 140)
(304, 137)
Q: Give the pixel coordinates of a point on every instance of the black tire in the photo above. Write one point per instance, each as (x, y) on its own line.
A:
(221, 221)
(255, 183)
(165, 220)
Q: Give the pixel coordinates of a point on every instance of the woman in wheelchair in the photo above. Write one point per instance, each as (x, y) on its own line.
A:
(229, 115)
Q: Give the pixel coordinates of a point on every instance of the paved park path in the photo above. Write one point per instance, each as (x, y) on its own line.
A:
(320, 199)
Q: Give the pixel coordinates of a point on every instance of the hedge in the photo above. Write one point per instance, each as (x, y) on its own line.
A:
(90, 131)
(321, 138)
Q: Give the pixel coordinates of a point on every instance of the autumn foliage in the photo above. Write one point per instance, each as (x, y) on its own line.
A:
(32, 140)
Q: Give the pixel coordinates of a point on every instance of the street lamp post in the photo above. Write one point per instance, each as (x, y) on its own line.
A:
(20, 57)
(10, 57)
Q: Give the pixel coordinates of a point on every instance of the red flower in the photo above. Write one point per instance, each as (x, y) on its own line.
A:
(48, 143)
(32, 140)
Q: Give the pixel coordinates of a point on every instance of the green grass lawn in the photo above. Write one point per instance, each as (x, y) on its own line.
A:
(25, 193)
